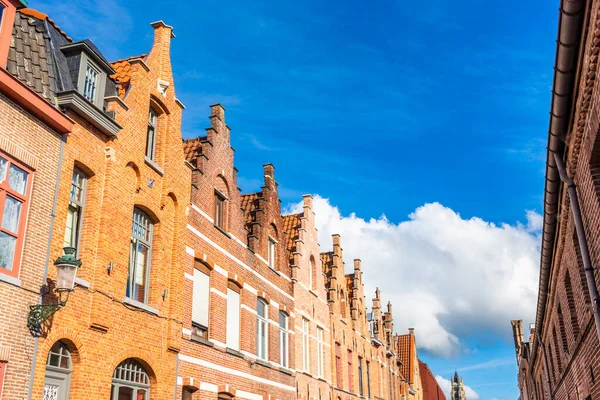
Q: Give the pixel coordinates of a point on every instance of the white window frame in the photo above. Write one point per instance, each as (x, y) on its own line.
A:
(76, 208)
(305, 345)
(200, 322)
(284, 357)
(320, 353)
(142, 226)
(262, 330)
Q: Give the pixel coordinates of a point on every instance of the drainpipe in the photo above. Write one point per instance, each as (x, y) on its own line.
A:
(585, 255)
(48, 248)
(547, 370)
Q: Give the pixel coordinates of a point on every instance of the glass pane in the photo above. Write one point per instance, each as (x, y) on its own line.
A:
(12, 210)
(53, 359)
(7, 251)
(139, 282)
(17, 179)
(261, 309)
(69, 242)
(126, 393)
(3, 164)
(64, 361)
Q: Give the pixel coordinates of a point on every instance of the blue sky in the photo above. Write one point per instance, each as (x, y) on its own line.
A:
(380, 108)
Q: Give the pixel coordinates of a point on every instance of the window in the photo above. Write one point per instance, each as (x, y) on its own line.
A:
(350, 373)
(283, 340)
(320, 352)
(305, 346)
(151, 134)
(219, 210)
(272, 253)
(90, 83)
(262, 329)
(14, 196)
(139, 257)
(368, 379)
(130, 382)
(75, 212)
(200, 300)
(57, 379)
(233, 316)
(360, 376)
(338, 365)
(187, 394)
(2, 364)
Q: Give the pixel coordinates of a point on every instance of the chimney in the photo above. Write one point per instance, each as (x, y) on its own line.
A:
(411, 331)
(161, 48)
(269, 171)
(357, 264)
(389, 308)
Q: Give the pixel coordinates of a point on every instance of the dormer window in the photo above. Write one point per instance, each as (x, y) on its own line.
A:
(91, 81)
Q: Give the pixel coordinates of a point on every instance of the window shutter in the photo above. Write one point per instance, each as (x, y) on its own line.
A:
(200, 298)
(233, 319)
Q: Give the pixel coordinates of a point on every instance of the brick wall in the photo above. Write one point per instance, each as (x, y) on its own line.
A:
(25, 139)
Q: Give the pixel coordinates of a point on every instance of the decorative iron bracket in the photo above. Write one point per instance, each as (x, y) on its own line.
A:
(40, 313)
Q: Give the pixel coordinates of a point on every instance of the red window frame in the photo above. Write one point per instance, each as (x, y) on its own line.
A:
(350, 383)
(2, 372)
(5, 190)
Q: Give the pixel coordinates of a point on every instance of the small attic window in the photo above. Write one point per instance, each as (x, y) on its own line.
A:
(91, 82)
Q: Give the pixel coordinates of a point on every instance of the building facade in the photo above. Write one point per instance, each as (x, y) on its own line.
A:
(32, 139)
(120, 204)
(239, 322)
(407, 345)
(185, 288)
(560, 360)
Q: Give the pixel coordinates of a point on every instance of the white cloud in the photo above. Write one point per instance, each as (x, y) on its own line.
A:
(446, 385)
(446, 276)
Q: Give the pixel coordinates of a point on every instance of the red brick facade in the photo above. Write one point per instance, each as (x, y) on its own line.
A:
(561, 357)
(431, 388)
(202, 291)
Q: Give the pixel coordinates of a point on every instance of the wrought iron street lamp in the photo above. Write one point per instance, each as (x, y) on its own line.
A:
(66, 272)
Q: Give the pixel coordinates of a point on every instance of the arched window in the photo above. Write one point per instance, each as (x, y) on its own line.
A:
(130, 382)
(151, 134)
(58, 373)
(342, 304)
(312, 279)
(139, 256)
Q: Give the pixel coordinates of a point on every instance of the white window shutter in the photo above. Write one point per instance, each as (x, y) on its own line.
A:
(200, 298)
(233, 319)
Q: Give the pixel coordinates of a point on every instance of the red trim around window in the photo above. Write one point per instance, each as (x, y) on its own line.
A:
(2, 371)
(5, 190)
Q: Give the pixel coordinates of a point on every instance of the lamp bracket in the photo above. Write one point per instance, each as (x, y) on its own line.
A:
(40, 313)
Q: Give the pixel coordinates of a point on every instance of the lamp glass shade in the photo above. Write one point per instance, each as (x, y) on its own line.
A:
(65, 277)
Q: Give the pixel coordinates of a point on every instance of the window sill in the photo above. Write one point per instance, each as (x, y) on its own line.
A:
(286, 371)
(140, 305)
(222, 231)
(10, 279)
(264, 363)
(234, 352)
(154, 166)
(201, 340)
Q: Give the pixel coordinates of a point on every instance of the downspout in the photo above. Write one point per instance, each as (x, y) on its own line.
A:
(48, 249)
(583, 245)
(546, 369)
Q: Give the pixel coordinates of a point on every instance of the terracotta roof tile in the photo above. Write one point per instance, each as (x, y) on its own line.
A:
(192, 148)
(41, 16)
(249, 203)
(405, 343)
(123, 72)
(291, 226)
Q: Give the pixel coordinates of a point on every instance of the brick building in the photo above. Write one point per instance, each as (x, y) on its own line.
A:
(561, 358)
(363, 351)
(32, 138)
(431, 388)
(238, 320)
(121, 203)
(313, 346)
(407, 352)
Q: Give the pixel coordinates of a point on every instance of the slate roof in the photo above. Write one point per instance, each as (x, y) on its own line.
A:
(36, 59)
(28, 59)
(123, 73)
(291, 226)
(405, 346)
